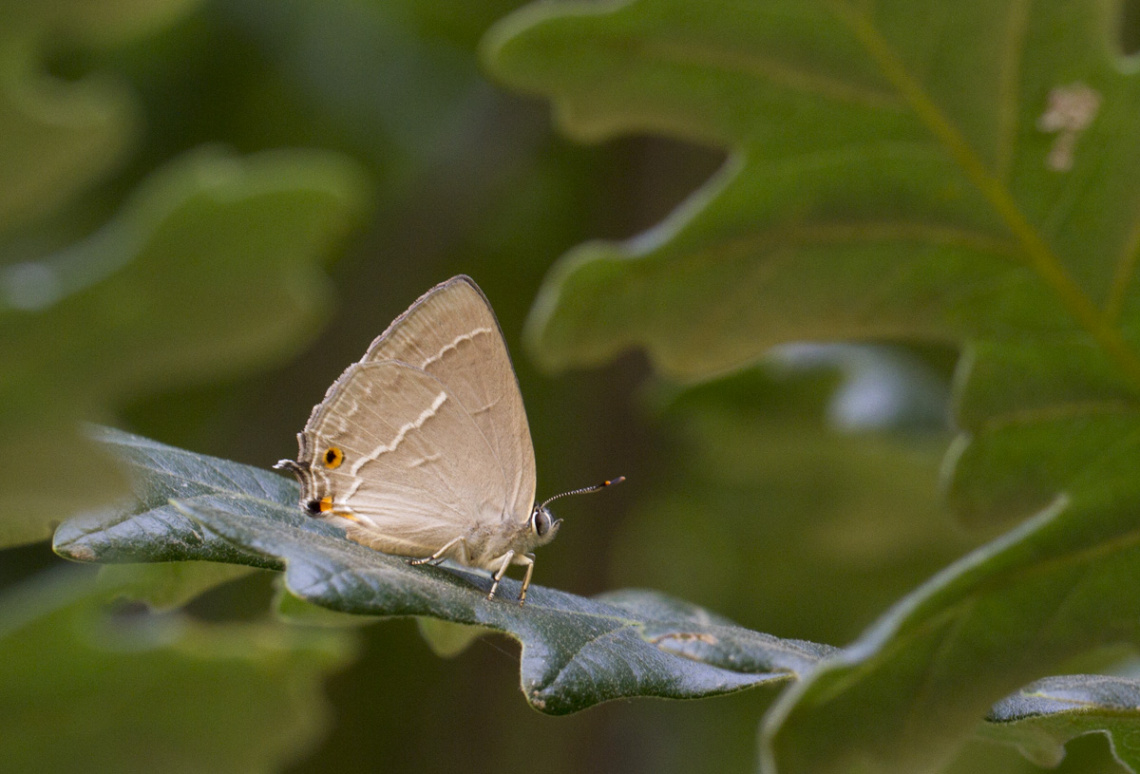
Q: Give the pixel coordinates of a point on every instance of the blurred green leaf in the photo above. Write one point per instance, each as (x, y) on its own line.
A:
(898, 171)
(79, 679)
(445, 638)
(576, 651)
(61, 136)
(169, 585)
(211, 269)
(1040, 718)
(781, 521)
(294, 610)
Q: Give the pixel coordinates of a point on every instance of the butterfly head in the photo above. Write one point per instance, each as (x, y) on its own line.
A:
(543, 525)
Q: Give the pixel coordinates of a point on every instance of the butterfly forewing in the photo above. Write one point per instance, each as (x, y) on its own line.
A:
(394, 446)
(452, 334)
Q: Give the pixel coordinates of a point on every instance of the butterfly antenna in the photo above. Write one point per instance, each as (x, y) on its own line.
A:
(585, 490)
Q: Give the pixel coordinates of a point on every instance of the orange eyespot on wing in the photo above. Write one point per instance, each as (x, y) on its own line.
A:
(333, 457)
(326, 504)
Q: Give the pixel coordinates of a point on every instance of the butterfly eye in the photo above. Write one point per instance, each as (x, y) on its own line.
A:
(540, 522)
(333, 457)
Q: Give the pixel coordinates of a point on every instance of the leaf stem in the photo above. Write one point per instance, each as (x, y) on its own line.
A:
(1037, 253)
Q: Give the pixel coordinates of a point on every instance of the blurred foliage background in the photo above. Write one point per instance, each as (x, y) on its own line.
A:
(208, 210)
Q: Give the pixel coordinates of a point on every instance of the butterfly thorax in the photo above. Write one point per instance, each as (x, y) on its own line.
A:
(487, 543)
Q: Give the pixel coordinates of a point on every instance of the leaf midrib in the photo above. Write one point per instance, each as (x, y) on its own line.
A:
(1036, 252)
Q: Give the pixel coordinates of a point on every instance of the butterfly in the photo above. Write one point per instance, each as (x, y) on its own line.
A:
(422, 448)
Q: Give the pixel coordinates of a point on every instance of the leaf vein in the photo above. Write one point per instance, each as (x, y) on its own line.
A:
(772, 71)
(1008, 89)
(1037, 253)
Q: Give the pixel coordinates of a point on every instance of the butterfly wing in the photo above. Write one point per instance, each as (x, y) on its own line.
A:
(401, 459)
(451, 333)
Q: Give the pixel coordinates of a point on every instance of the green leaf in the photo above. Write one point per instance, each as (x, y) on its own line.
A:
(879, 186)
(61, 136)
(783, 522)
(1000, 616)
(80, 678)
(1040, 718)
(297, 611)
(209, 270)
(576, 651)
(896, 172)
(155, 529)
(447, 639)
(169, 585)
(836, 215)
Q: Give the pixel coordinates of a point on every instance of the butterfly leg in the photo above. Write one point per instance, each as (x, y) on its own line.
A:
(439, 556)
(528, 560)
(498, 576)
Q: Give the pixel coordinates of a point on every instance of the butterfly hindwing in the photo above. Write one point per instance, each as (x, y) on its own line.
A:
(392, 445)
(451, 333)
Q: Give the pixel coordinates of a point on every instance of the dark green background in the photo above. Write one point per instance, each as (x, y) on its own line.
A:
(743, 495)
